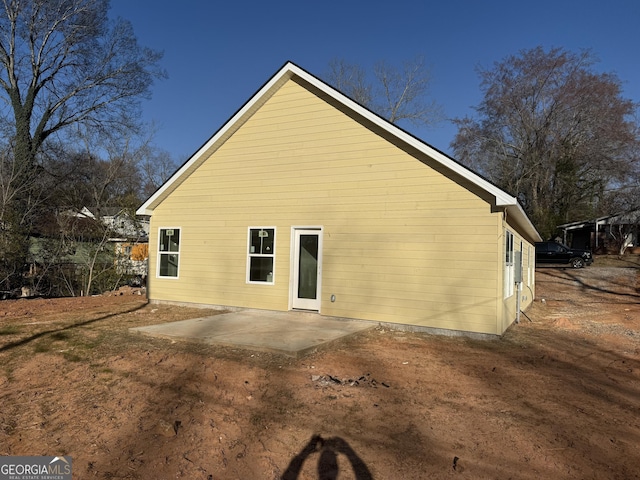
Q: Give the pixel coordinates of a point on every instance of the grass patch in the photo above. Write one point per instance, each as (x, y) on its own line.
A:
(258, 420)
(43, 346)
(60, 336)
(72, 357)
(46, 343)
(101, 369)
(9, 330)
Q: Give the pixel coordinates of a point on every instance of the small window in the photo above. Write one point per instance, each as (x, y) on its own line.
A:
(261, 255)
(529, 266)
(509, 266)
(169, 252)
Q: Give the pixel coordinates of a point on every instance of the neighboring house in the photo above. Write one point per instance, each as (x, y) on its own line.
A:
(70, 243)
(128, 235)
(120, 222)
(610, 233)
(306, 200)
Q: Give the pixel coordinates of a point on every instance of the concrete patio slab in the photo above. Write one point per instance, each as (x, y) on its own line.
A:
(289, 333)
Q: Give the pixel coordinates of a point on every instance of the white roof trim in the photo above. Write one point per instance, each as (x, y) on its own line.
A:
(286, 72)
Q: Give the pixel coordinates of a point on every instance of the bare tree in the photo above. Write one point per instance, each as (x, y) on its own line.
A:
(351, 80)
(623, 228)
(396, 94)
(404, 94)
(106, 186)
(156, 167)
(553, 132)
(63, 63)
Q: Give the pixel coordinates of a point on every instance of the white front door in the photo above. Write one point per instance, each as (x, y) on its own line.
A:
(306, 274)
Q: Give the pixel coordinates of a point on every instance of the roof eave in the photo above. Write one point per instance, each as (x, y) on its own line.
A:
(523, 222)
(286, 72)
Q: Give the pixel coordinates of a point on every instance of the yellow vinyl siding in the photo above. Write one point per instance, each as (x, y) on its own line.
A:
(402, 242)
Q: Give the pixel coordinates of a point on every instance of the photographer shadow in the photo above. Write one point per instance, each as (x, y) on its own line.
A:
(328, 469)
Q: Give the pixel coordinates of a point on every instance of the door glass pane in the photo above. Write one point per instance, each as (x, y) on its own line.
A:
(308, 267)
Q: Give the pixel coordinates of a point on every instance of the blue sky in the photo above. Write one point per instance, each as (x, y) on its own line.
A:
(217, 54)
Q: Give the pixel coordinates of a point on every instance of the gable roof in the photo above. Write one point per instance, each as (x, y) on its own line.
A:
(290, 70)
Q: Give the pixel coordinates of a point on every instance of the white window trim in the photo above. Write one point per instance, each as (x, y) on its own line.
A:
(529, 272)
(159, 254)
(249, 255)
(509, 264)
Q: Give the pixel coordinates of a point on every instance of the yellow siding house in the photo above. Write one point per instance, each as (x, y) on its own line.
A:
(306, 200)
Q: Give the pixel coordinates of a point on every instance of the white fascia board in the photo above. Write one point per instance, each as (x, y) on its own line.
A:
(526, 224)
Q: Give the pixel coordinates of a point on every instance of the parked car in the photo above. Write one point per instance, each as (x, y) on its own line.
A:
(554, 252)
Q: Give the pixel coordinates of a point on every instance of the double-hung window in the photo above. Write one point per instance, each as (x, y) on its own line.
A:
(509, 265)
(168, 252)
(261, 254)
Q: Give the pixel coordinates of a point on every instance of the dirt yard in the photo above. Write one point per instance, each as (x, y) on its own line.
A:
(558, 397)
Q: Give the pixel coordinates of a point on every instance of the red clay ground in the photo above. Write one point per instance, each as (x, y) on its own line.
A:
(557, 397)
